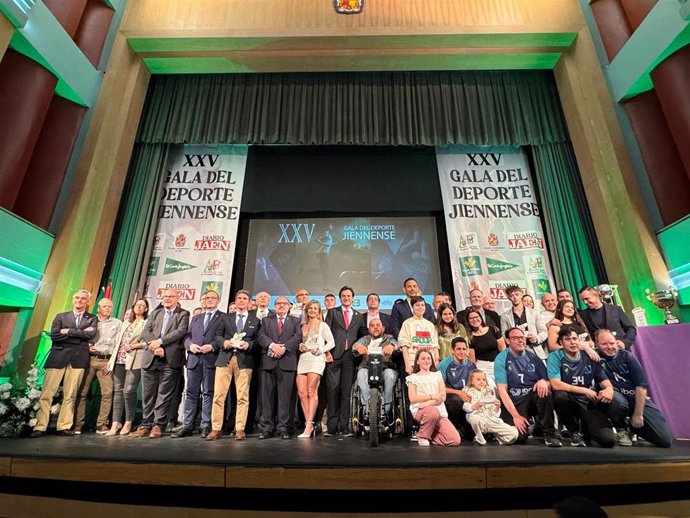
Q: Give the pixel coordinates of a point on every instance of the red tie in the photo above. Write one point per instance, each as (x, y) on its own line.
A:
(346, 318)
(280, 325)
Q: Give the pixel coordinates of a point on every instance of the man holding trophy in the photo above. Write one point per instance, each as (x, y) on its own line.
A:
(606, 316)
(235, 339)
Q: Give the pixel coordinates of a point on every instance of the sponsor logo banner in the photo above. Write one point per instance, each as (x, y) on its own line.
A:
(496, 266)
(195, 238)
(492, 213)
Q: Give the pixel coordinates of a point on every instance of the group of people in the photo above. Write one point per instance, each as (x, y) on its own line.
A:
(473, 374)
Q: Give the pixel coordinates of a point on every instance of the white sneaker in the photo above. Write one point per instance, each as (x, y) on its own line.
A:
(423, 442)
(623, 438)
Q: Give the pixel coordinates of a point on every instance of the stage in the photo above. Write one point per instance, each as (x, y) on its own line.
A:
(91, 467)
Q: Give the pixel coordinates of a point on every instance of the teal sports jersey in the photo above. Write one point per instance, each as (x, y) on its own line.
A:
(581, 372)
(520, 373)
(455, 375)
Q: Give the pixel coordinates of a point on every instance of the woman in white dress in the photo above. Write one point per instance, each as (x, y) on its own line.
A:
(317, 340)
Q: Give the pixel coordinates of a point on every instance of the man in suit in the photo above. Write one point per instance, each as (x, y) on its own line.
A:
(66, 362)
(263, 299)
(526, 319)
(346, 325)
(402, 308)
(279, 337)
(201, 364)
(162, 362)
(490, 317)
(373, 313)
(235, 359)
(606, 316)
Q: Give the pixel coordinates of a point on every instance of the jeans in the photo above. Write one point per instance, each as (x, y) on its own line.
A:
(389, 378)
(654, 428)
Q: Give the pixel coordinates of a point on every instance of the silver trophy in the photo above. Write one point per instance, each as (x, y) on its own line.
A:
(664, 299)
(606, 292)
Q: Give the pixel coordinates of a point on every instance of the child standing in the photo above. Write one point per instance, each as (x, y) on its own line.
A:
(484, 412)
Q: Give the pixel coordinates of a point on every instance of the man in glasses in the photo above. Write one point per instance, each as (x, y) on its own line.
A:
(522, 385)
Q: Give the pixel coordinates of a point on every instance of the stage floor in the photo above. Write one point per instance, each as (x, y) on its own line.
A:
(334, 463)
(237, 475)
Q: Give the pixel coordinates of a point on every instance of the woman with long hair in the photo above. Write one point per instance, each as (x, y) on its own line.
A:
(125, 364)
(485, 344)
(566, 316)
(317, 340)
(448, 327)
(427, 393)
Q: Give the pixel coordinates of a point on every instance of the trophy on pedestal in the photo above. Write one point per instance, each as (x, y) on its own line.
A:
(664, 299)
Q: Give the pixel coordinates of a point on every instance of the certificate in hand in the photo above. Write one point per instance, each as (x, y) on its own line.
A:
(375, 346)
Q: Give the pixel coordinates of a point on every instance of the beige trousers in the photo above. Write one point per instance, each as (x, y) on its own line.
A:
(221, 386)
(51, 383)
(106, 381)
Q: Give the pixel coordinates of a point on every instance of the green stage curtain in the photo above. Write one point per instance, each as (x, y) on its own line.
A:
(403, 108)
(575, 253)
(137, 227)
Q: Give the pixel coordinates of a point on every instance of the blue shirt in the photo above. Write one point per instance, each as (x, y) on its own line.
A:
(518, 372)
(581, 372)
(455, 375)
(624, 371)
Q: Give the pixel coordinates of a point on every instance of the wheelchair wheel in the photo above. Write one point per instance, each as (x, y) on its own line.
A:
(356, 425)
(374, 416)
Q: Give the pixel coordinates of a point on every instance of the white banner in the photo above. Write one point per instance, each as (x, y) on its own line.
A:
(495, 236)
(195, 241)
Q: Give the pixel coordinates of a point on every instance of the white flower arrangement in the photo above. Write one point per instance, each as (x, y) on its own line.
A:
(19, 404)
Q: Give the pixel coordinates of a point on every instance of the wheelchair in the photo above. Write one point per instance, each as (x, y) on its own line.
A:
(372, 420)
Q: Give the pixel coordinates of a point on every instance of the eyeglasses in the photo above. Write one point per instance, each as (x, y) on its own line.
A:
(521, 338)
(282, 303)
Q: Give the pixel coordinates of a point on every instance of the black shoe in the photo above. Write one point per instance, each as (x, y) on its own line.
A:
(185, 432)
(65, 433)
(37, 433)
(205, 431)
(551, 440)
(285, 436)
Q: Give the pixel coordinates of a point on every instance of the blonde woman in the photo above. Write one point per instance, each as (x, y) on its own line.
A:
(125, 364)
(317, 339)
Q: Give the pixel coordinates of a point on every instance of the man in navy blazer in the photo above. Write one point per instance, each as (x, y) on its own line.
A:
(606, 316)
(347, 327)
(162, 362)
(372, 313)
(402, 310)
(201, 364)
(279, 339)
(235, 360)
(66, 362)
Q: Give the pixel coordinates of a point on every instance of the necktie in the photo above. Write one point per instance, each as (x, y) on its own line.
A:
(280, 325)
(207, 319)
(346, 317)
(240, 323)
(166, 318)
(77, 319)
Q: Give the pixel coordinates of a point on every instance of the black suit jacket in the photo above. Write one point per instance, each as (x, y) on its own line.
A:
(173, 339)
(616, 321)
(401, 311)
(291, 337)
(491, 318)
(336, 321)
(72, 348)
(196, 335)
(226, 330)
(385, 320)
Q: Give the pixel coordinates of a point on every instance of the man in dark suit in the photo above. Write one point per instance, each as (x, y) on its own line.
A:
(491, 318)
(162, 362)
(346, 325)
(201, 364)
(66, 362)
(279, 337)
(235, 359)
(606, 316)
(373, 303)
(402, 309)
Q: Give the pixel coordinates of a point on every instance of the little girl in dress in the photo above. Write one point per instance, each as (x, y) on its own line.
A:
(484, 412)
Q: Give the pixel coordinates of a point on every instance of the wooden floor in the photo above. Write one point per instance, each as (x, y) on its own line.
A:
(335, 464)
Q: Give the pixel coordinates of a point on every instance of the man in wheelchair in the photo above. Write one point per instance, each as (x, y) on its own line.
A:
(376, 342)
